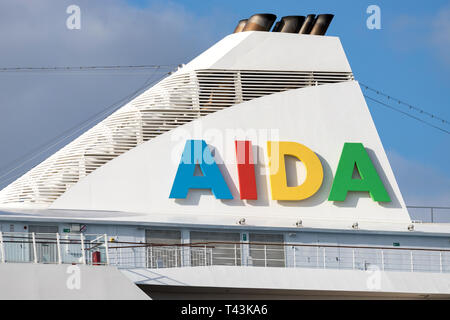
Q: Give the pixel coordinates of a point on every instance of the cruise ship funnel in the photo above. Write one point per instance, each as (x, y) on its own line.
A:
(240, 26)
(277, 27)
(260, 22)
(321, 24)
(291, 24)
(308, 24)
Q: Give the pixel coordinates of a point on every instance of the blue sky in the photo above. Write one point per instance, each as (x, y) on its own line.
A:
(409, 58)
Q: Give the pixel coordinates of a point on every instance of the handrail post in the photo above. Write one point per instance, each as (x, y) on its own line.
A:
(33, 238)
(106, 249)
(432, 215)
(382, 259)
(265, 255)
(412, 261)
(440, 261)
(235, 254)
(2, 247)
(324, 258)
(295, 257)
(353, 258)
(151, 256)
(58, 248)
(83, 254)
(176, 257)
(317, 257)
(206, 259)
(180, 251)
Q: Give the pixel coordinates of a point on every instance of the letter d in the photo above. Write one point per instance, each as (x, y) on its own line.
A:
(278, 180)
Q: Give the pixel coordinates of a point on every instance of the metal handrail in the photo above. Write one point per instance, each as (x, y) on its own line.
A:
(166, 255)
(210, 244)
(284, 244)
(432, 208)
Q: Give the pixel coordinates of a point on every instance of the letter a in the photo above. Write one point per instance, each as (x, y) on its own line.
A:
(355, 154)
(74, 20)
(374, 21)
(197, 152)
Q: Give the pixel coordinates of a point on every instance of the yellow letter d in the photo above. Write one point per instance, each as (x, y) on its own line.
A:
(276, 150)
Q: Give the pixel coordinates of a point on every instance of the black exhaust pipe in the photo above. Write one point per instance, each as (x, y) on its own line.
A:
(321, 24)
(308, 24)
(240, 26)
(277, 27)
(260, 22)
(291, 24)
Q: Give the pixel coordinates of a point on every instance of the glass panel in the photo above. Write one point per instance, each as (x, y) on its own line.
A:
(18, 247)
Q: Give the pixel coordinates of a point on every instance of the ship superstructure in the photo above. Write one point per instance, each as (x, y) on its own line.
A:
(108, 196)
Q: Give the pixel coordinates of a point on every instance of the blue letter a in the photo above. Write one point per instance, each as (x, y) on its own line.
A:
(197, 152)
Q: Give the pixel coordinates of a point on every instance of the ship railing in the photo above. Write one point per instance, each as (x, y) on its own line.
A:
(281, 255)
(88, 249)
(53, 248)
(429, 214)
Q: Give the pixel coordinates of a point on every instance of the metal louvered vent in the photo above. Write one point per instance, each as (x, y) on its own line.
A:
(174, 101)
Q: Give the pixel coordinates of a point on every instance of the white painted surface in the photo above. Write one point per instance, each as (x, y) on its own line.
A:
(256, 50)
(49, 282)
(322, 118)
(295, 279)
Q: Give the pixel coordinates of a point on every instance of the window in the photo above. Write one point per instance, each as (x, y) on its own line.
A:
(266, 250)
(163, 251)
(215, 248)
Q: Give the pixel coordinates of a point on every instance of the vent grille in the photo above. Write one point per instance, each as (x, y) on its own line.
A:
(174, 101)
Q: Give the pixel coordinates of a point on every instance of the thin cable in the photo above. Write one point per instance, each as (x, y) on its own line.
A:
(84, 68)
(407, 114)
(389, 97)
(103, 113)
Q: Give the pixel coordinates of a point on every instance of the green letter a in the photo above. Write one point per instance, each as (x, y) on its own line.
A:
(355, 154)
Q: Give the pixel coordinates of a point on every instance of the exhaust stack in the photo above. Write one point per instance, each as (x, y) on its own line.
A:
(291, 24)
(240, 26)
(287, 24)
(260, 22)
(308, 24)
(321, 24)
(277, 27)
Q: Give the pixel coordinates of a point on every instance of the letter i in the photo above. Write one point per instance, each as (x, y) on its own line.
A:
(246, 170)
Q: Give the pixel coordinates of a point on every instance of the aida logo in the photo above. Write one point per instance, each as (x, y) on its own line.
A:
(353, 157)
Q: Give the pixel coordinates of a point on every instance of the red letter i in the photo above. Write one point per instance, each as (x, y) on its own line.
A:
(246, 170)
